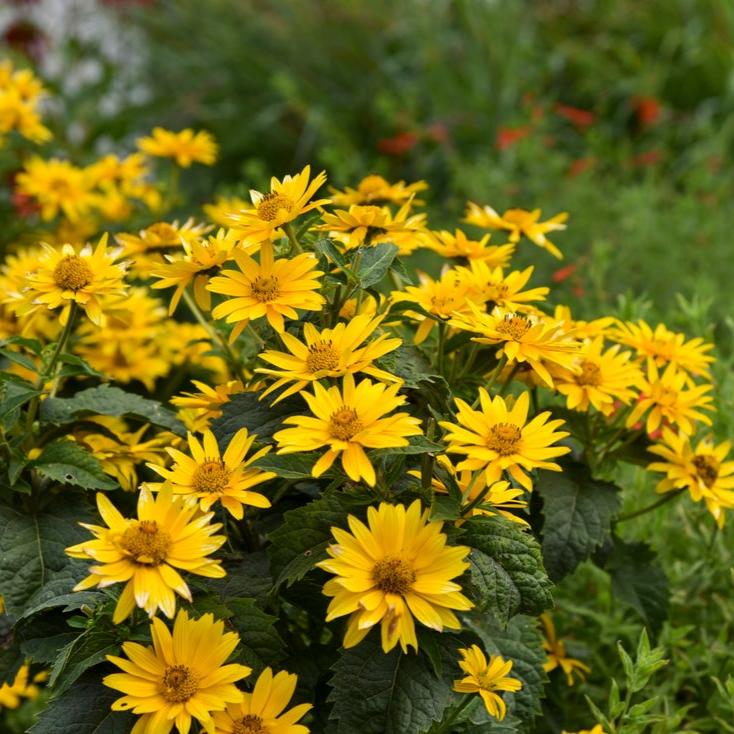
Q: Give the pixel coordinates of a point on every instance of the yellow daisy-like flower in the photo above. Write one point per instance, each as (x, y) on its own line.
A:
(221, 210)
(376, 190)
(208, 402)
(273, 289)
(208, 476)
(286, 201)
(83, 276)
(584, 329)
(20, 93)
(183, 676)
(664, 347)
(498, 438)
(11, 694)
(458, 245)
(486, 677)
(518, 222)
(598, 729)
(670, 396)
(557, 656)
(493, 287)
(348, 421)
(328, 353)
(145, 553)
(599, 378)
(262, 711)
(371, 225)
(522, 338)
(704, 470)
(396, 567)
(185, 147)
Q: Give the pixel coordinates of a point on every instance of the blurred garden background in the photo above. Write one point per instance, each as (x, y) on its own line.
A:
(619, 112)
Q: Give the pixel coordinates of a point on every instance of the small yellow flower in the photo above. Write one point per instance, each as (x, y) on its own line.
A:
(458, 245)
(376, 190)
(11, 694)
(208, 402)
(185, 147)
(486, 677)
(20, 94)
(557, 656)
(596, 730)
(221, 210)
(492, 287)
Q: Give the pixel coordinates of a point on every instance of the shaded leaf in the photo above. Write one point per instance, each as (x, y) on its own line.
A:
(371, 263)
(67, 462)
(84, 652)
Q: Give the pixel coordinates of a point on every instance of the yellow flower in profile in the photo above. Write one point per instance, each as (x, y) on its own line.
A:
(499, 438)
(391, 570)
(328, 353)
(262, 711)
(183, 676)
(208, 402)
(376, 190)
(144, 553)
(704, 470)
(286, 200)
(494, 287)
(185, 147)
(522, 338)
(348, 421)
(599, 378)
(371, 225)
(458, 245)
(273, 289)
(584, 329)
(208, 477)
(518, 222)
(486, 677)
(83, 276)
(557, 656)
(670, 396)
(221, 210)
(22, 687)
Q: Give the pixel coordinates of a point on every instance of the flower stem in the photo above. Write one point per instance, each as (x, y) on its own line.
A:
(453, 714)
(662, 501)
(293, 239)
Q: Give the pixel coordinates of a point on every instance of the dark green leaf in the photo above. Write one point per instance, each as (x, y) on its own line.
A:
(18, 358)
(416, 445)
(250, 577)
(331, 252)
(45, 650)
(15, 395)
(73, 365)
(290, 466)
(260, 644)
(372, 263)
(75, 658)
(67, 462)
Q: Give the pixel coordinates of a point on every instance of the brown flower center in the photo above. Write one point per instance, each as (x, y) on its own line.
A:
(495, 291)
(265, 290)
(72, 273)
(590, 374)
(344, 424)
(211, 476)
(322, 356)
(179, 684)
(146, 542)
(271, 204)
(514, 327)
(393, 575)
(250, 724)
(504, 438)
(707, 468)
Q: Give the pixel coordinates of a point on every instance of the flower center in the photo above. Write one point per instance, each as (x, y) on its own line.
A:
(666, 397)
(179, 684)
(344, 424)
(504, 438)
(165, 232)
(514, 326)
(590, 374)
(146, 542)
(72, 273)
(393, 575)
(707, 469)
(212, 476)
(496, 291)
(264, 290)
(250, 724)
(322, 356)
(372, 184)
(271, 204)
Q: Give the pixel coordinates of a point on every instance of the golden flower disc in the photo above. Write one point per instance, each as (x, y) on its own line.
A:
(590, 374)
(146, 542)
(515, 327)
(393, 575)
(322, 356)
(250, 724)
(265, 290)
(212, 476)
(271, 204)
(72, 273)
(344, 424)
(165, 232)
(179, 684)
(504, 438)
(707, 467)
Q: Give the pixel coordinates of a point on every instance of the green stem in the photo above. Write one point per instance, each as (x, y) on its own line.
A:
(495, 372)
(509, 379)
(446, 724)
(441, 346)
(478, 499)
(662, 501)
(293, 239)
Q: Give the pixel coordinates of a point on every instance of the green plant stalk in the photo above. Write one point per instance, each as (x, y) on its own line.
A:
(493, 376)
(293, 239)
(441, 347)
(447, 723)
(509, 379)
(643, 511)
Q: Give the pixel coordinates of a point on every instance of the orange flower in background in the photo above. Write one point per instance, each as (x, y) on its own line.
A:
(647, 110)
(398, 144)
(508, 136)
(575, 115)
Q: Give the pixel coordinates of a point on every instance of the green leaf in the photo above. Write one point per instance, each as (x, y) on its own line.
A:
(506, 575)
(107, 400)
(331, 252)
(67, 462)
(578, 512)
(73, 365)
(393, 693)
(290, 466)
(260, 645)
(45, 650)
(20, 359)
(14, 395)
(84, 652)
(249, 578)
(372, 263)
(416, 445)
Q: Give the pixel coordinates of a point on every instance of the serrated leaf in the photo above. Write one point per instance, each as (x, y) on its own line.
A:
(249, 578)
(331, 252)
(18, 358)
(290, 466)
(15, 395)
(84, 652)
(416, 445)
(260, 644)
(371, 263)
(67, 462)
(506, 575)
(45, 650)
(578, 512)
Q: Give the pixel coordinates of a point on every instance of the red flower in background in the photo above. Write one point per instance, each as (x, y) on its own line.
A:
(399, 144)
(564, 273)
(647, 110)
(26, 38)
(580, 165)
(508, 136)
(24, 205)
(438, 132)
(575, 115)
(648, 158)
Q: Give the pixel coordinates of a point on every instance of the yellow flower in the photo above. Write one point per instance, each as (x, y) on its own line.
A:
(670, 397)
(208, 401)
(371, 225)
(596, 730)
(328, 353)
(347, 421)
(493, 287)
(522, 338)
(498, 438)
(375, 189)
(221, 211)
(208, 476)
(185, 147)
(584, 329)
(21, 687)
(704, 470)
(183, 676)
(71, 275)
(599, 378)
(145, 553)
(262, 711)
(459, 245)
(518, 222)
(557, 656)
(396, 567)
(286, 201)
(271, 288)
(486, 677)
(20, 93)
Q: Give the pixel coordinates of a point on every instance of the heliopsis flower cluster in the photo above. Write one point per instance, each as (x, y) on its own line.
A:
(21, 93)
